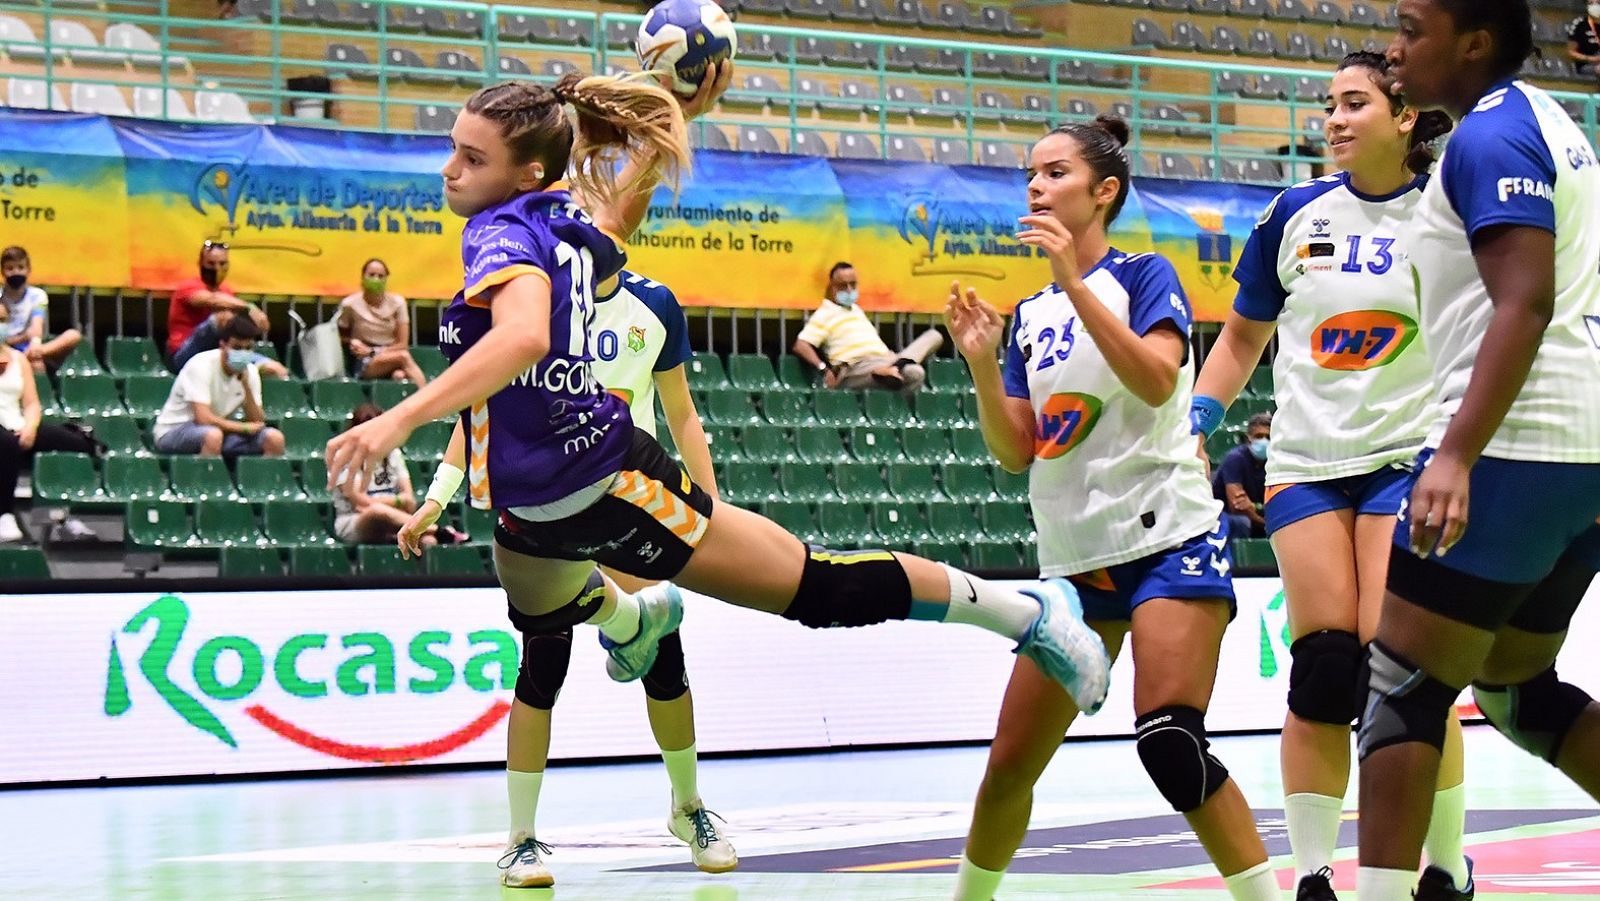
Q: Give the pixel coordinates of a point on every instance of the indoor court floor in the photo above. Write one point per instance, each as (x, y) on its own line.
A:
(865, 825)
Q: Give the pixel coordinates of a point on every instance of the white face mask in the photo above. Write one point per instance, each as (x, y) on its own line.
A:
(847, 298)
(1594, 10)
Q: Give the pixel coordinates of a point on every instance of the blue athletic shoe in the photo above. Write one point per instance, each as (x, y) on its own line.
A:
(660, 612)
(1065, 648)
(1437, 885)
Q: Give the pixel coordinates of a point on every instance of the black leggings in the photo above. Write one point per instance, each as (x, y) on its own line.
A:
(51, 437)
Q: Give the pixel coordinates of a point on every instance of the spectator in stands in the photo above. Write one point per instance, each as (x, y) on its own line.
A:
(28, 310)
(374, 514)
(201, 306)
(1583, 42)
(21, 433)
(842, 344)
(375, 326)
(1240, 482)
(213, 386)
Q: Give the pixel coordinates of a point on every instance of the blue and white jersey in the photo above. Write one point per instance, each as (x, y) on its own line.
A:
(1353, 386)
(639, 330)
(1113, 479)
(1516, 159)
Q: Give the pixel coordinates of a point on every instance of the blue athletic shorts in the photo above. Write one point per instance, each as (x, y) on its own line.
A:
(1197, 569)
(1522, 516)
(1376, 493)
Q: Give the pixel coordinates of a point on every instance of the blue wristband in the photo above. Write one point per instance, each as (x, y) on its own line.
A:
(1205, 415)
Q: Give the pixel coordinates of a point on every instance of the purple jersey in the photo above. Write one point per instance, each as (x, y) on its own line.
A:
(554, 430)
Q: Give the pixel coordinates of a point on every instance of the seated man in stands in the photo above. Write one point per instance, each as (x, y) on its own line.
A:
(200, 306)
(1240, 482)
(213, 386)
(28, 311)
(1583, 42)
(840, 342)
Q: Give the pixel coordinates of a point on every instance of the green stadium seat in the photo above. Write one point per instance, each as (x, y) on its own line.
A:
(728, 406)
(819, 444)
(200, 479)
(899, 524)
(804, 482)
(766, 444)
(295, 523)
(752, 372)
(62, 478)
(845, 524)
(154, 525)
(388, 393)
(129, 478)
(967, 482)
(874, 445)
(145, 395)
(120, 434)
(456, 560)
(1250, 406)
(1260, 382)
(385, 560)
(81, 361)
(127, 357)
(786, 408)
(747, 483)
(250, 563)
(335, 399)
(926, 446)
(91, 395)
(947, 552)
(1011, 486)
(794, 516)
(1253, 553)
(48, 403)
(267, 479)
(721, 440)
(948, 376)
(860, 482)
(797, 376)
(268, 350)
(430, 439)
(319, 560)
(430, 359)
(884, 408)
(951, 521)
(284, 399)
(479, 524)
(913, 482)
(966, 446)
(1030, 556)
(225, 523)
(995, 555)
(940, 410)
(23, 563)
(1004, 521)
(1220, 443)
(837, 409)
(314, 477)
(704, 370)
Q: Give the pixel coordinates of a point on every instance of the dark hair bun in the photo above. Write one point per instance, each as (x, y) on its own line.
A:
(1115, 127)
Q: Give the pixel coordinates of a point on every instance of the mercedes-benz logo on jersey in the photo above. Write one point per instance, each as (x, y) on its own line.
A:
(1319, 228)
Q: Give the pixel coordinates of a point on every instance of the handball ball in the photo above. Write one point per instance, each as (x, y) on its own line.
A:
(684, 38)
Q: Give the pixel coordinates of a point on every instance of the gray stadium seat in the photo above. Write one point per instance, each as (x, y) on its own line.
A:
(807, 9)
(1176, 165)
(140, 47)
(406, 18)
(1262, 43)
(621, 35)
(857, 147)
(1212, 7)
(554, 69)
(808, 94)
(1391, 16)
(905, 58)
(1261, 172)
(1188, 36)
(951, 152)
(1033, 108)
(990, 20)
(104, 100)
(942, 62)
(905, 150)
(1298, 47)
(851, 10)
(1374, 44)
(1310, 90)
(147, 104)
(1293, 10)
(948, 15)
(1003, 156)
(709, 137)
(1271, 87)
(755, 139)
(1363, 15)
(807, 143)
(512, 67)
(1232, 84)
(896, 12)
(854, 54)
(952, 102)
(762, 7)
(1225, 39)
(756, 92)
(349, 60)
(1258, 9)
(813, 51)
(299, 12)
(1074, 71)
(1328, 13)
(992, 65)
(1017, 28)
(1148, 34)
(470, 73)
(222, 106)
(905, 99)
(431, 117)
(28, 93)
(1177, 6)
(760, 46)
(1334, 49)
(853, 97)
(1078, 108)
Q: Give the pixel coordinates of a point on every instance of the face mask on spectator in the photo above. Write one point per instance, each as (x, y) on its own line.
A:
(16, 280)
(239, 359)
(1594, 10)
(1258, 448)
(374, 285)
(847, 298)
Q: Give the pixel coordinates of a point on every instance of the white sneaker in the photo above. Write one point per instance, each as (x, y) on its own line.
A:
(9, 530)
(692, 825)
(523, 864)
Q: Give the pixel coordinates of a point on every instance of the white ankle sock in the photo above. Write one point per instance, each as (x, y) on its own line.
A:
(623, 623)
(681, 772)
(988, 606)
(1445, 833)
(1313, 829)
(1254, 884)
(974, 883)
(522, 792)
(1376, 884)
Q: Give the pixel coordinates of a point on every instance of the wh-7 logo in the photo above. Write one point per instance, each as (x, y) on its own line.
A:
(1367, 343)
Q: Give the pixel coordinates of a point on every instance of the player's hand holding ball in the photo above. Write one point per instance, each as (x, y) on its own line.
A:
(975, 326)
(691, 44)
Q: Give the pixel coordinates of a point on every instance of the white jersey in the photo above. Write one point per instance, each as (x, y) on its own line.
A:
(1113, 479)
(1516, 159)
(1352, 384)
(639, 330)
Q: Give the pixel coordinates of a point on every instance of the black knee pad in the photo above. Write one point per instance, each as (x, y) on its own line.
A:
(544, 668)
(1404, 704)
(1536, 715)
(1176, 753)
(850, 588)
(1323, 686)
(667, 680)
